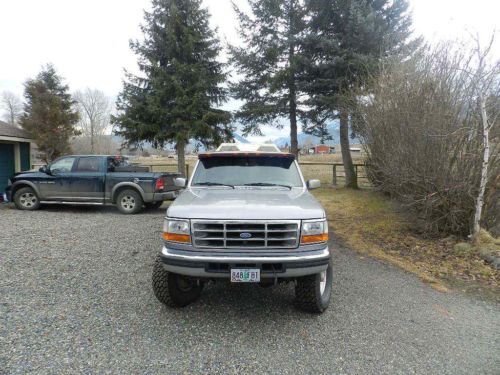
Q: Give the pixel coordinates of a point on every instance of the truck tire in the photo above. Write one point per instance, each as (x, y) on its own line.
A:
(129, 201)
(172, 289)
(313, 292)
(26, 199)
(153, 205)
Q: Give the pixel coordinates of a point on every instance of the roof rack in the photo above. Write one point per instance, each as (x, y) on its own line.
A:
(248, 147)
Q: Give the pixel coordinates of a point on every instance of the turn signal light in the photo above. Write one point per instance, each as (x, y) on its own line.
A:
(174, 237)
(314, 238)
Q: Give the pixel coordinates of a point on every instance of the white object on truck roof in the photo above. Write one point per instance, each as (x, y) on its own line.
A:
(248, 147)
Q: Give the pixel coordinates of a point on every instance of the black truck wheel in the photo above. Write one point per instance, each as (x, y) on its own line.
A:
(26, 199)
(129, 201)
(153, 205)
(313, 292)
(172, 289)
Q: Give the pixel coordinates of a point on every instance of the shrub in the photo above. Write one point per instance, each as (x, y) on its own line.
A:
(421, 127)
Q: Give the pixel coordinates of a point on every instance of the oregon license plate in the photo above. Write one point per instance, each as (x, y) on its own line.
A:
(239, 275)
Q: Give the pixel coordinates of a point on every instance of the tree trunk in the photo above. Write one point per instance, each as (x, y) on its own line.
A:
(351, 180)
(181, 157)
(484, 167)
(91, 136)
(294, 144)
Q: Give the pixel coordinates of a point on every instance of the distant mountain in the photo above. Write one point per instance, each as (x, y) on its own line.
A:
(239, 139)
(170, 146)
(302, 138)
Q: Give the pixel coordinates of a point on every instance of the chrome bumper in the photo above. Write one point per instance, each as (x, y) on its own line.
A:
(205, 264)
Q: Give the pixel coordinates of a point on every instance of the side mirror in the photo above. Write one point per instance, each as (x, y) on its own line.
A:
(45, 169)
(180, 182)
(313, 184)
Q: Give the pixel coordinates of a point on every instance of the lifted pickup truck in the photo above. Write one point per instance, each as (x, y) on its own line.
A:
(245, 216)
(90, 179)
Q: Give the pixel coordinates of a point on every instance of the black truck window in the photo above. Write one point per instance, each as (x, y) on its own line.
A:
(63, 165)
(88, 164)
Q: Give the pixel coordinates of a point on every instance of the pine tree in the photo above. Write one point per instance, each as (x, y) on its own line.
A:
(317, 127)
(346, 43)
(270, 61)
(175, 98)
(49, 113)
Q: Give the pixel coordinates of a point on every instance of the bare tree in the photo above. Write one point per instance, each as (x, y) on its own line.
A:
(12, 105)
(95, 112)
(486, 84)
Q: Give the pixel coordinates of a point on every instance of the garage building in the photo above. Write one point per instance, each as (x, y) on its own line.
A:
(15, 152)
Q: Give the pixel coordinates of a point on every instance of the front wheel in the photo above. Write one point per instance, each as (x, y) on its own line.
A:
(313, 292)
(172, 289)
(26, 199)
(129, 201)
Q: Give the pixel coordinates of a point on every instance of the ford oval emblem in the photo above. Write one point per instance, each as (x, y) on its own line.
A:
(245, 235)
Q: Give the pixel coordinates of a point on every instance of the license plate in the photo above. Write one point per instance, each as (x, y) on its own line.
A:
(239, 275)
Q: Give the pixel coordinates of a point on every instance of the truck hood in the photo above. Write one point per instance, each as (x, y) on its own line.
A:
(28, 174)
(246, 204)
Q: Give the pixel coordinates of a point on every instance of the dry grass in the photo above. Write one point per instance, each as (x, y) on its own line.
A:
(372, 224)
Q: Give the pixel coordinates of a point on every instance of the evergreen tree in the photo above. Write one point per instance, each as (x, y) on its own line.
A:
(269, 61)
(175, 97)
(318, 127)
(346, 43)
(49, 113)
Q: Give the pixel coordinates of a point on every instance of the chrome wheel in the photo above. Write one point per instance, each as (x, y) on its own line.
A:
(322, 282)
(28, 200)
(128, 202)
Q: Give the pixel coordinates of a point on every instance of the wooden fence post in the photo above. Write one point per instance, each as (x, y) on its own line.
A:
(334, 181)
(187, 170)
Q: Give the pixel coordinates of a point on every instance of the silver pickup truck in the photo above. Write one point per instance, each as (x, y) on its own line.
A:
(245, 216)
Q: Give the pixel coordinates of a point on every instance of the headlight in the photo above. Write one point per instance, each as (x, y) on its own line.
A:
(314, 231)
(176, 230)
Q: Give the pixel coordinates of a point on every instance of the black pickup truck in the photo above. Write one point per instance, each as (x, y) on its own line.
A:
(90, 179)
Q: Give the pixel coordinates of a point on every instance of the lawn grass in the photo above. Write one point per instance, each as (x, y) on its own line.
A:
(371, 224)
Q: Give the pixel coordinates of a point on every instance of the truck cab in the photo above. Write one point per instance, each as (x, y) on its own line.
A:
(246, 215)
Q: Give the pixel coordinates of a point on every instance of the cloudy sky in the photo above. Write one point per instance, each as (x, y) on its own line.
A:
(87, 40)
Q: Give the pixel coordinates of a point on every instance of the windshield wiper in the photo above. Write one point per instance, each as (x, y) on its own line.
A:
(207, 183)
(267, 184)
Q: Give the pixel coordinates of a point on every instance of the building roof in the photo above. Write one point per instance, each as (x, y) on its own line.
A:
(322, 146)
(7, 130)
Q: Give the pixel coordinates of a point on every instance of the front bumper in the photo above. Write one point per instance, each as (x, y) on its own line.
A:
(7, 196)
(218, 265)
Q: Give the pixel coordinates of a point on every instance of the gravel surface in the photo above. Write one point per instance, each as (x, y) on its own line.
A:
(75, 297)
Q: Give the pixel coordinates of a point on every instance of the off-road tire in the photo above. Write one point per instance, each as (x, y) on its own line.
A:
(308, 295)
(129, 202)
(26, 199)
(153, 205)
(167, 289)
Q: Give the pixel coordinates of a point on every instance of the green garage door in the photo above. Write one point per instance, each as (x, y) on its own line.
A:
(7, 164)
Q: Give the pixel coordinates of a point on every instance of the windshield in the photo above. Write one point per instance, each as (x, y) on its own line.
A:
(247, 170)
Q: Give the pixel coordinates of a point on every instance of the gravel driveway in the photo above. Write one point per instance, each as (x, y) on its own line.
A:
(76, 297)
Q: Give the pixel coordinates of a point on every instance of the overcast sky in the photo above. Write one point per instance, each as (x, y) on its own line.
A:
(87, 40)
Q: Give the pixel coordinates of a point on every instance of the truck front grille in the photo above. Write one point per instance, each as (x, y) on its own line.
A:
(235, 234)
